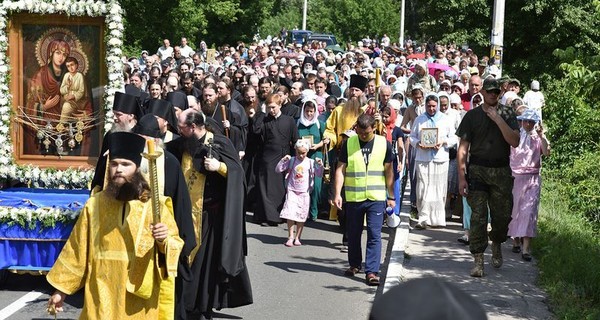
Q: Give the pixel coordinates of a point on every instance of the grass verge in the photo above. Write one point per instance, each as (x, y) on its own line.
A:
(568, 253)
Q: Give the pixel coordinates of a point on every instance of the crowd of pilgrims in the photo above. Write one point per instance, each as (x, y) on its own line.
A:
(311, 81)
(274, 103)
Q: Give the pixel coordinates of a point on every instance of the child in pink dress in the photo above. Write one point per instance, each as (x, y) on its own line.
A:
(301, 171)
(525, 162)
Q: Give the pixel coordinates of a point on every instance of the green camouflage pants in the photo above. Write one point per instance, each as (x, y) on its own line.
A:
(489, 187)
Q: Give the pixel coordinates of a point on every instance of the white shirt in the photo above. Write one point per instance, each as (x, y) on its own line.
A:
(445, 133)
(455, 117)
(186, 51)
(164, 53)
(385, 41)
(534, 100)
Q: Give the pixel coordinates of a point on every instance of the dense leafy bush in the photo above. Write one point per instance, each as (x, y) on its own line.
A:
(583, 179)
(568, 252)
(573, 125)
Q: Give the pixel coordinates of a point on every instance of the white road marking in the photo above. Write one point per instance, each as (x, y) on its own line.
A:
(19, 304)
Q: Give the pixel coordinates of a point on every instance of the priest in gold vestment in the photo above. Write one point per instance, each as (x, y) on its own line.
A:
(125, 262)
(215, 179)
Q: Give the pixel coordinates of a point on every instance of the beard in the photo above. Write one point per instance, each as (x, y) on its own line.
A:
(250, 105)
(134, 188)
(353, 106)
(121, 127)
(209, 109)
(190, 144)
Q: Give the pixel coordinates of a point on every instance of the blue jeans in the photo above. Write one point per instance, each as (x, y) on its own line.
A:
(355, 215)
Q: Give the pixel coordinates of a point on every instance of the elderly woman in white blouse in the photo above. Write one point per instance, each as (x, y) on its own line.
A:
(432, 135)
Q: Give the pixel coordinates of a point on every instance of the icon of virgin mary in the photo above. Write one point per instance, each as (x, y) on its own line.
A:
(44, 100)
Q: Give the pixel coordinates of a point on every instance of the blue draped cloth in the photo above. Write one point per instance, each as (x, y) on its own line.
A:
(23, 248)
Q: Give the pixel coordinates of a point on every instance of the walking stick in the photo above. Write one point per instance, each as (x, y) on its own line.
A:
(224, 114)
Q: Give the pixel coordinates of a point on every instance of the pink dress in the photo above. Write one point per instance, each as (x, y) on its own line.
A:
(300, 176)
(525, 162)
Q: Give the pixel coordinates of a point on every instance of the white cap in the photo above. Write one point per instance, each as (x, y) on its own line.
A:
(535, 85)
(454, 98)
(394, 104)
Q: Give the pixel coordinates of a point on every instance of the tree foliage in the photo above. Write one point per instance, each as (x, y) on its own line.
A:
(216, 21)
(346, 19)
(457, 21)
(533, 29)
(574, 122)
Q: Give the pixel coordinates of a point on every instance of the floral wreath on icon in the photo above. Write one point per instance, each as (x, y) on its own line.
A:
(72, 178)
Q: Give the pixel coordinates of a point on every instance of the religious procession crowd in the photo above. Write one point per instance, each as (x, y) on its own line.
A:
(289, 132)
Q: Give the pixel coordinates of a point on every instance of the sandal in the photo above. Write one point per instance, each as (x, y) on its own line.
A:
(350, 272)
(526, 256)
(290, 242)
(297, 242)
(372, 279)
(516, 249)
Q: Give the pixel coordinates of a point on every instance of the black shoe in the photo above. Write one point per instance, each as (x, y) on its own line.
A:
(526, 256)
(516, 249)
(206, 316)
(350, 272)
(464, 240)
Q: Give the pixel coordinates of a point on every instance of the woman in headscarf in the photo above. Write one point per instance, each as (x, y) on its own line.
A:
(395, 136)
(431, 135)
(421, 75)
(310, 127)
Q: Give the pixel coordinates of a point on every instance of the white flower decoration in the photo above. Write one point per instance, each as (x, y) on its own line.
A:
(73, 178)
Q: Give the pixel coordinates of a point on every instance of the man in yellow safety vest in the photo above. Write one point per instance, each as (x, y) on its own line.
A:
(365, 170)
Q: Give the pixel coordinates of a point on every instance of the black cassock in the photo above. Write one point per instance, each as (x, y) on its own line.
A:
(278, 136)
(241, 121)
(237, 130)
(220, 276)
(176, 188)
(250, 160)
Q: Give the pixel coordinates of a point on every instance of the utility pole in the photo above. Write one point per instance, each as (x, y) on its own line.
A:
(402, 14)
(304, 15)
(497, 40)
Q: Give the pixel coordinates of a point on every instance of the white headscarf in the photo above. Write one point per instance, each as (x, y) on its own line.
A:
(437, 109)
(473, 97)
(308, 122)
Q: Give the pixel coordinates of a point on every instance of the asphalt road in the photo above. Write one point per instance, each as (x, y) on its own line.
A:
(305, 282)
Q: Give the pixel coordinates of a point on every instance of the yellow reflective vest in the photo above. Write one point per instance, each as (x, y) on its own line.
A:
(361, 182)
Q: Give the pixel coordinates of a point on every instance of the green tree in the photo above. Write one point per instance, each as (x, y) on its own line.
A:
(284, 14)
(533, 29)
(346, 19)
(461, 22)
(216, 21)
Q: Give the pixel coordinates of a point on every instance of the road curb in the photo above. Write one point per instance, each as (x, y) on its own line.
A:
(395, 267)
